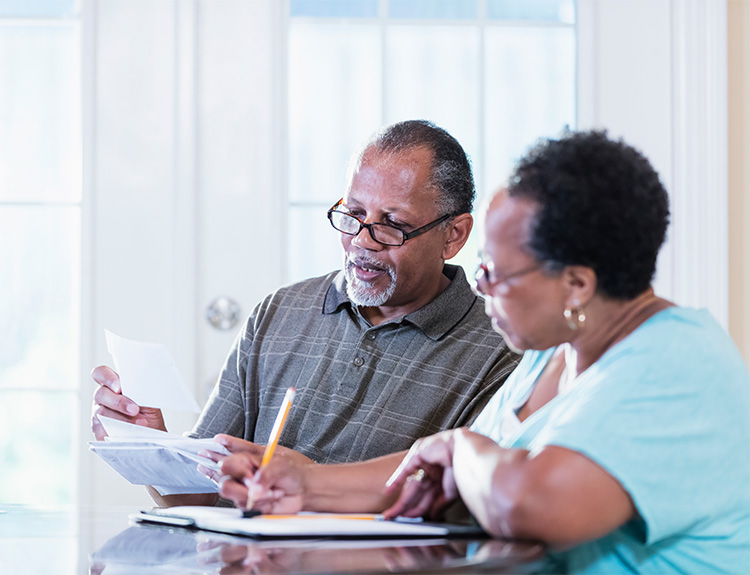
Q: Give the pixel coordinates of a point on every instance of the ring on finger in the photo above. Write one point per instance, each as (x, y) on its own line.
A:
(417, 476)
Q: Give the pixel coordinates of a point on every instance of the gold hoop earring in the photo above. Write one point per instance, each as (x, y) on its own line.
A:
(575, 316)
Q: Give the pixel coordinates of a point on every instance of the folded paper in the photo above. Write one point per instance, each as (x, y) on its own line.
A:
(145, 456)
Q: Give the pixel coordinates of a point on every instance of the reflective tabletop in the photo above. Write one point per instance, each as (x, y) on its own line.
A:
(82, 540)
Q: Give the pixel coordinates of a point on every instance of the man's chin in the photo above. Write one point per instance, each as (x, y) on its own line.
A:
(367, 297)
(365, 294)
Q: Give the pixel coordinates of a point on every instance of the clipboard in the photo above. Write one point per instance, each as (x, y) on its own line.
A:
(303, 525)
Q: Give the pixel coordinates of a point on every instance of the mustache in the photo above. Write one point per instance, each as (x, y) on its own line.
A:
(364, 260)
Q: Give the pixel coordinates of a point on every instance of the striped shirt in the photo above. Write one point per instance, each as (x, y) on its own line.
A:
(362, 390)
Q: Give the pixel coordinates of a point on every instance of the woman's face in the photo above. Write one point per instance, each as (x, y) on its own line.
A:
(527, 307)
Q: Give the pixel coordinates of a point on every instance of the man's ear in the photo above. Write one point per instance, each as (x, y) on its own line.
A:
(581, 283)
(458, 233)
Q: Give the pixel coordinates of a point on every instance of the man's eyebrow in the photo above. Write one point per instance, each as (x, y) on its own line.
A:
(393, 211)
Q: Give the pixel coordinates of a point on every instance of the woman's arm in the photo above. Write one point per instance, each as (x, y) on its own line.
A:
(557, 496)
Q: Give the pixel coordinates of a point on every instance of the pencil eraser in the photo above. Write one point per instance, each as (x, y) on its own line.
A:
(251, 513)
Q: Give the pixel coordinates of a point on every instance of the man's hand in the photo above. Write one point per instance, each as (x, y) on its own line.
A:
(236, 445)
(278, 488)
(109, 402)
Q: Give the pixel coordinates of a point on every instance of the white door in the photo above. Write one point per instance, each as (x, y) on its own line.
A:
(182, 209)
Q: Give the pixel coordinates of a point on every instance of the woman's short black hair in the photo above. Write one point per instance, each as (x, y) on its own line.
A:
(600, 204)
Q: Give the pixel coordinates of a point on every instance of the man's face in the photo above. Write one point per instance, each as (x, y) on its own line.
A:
(392, 189)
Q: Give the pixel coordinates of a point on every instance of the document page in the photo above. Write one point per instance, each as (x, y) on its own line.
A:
(228, 520)
(149, 375)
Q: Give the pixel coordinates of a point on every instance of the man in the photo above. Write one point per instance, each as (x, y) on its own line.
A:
(393, 347)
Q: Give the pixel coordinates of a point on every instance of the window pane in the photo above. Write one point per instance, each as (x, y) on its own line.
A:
(40, 272)
(530, 92)
(458, 9)
(433, 74)
(334, 8)
(37, 8)
(40, 134)
(334, 104)
(555, 10)
(37, 433)
(314, 246)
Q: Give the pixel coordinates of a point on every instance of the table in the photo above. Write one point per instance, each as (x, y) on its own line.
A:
(86, 540)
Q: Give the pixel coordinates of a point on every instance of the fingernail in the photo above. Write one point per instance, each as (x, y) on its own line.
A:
(132, 409)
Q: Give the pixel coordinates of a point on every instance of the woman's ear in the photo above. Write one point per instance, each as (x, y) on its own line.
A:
(581, 283)
(458, 233)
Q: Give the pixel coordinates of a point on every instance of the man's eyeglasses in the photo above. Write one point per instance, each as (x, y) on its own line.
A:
(384, 234)
(484, 283)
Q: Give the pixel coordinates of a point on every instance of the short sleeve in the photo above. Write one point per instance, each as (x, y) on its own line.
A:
(652, 413)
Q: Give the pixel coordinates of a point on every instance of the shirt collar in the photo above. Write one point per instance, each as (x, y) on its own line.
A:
(435, 319)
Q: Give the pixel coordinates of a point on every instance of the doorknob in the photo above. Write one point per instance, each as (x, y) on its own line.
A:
(223, 313)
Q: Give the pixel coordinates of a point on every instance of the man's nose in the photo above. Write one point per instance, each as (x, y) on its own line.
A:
(364, 240)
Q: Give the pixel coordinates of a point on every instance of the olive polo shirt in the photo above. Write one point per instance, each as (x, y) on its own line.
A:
(362, 390)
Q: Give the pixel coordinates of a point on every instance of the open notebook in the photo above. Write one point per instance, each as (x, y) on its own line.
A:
(229, 520)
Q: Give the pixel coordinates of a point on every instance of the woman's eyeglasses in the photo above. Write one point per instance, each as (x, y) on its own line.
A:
(484, 283)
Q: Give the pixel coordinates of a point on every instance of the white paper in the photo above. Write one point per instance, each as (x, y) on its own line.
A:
(230, 520)
(122, 431)
(146, 456)
(169, 471)
(148, 374)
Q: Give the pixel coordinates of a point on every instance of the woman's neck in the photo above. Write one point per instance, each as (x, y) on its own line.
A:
(608, 322)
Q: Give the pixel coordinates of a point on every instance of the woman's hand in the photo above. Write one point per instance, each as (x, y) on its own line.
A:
(425, 478)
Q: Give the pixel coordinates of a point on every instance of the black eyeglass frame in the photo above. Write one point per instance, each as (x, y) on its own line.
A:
(484, 285)
(405, 235)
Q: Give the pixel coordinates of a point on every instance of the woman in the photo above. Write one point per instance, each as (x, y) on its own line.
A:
(623, 435)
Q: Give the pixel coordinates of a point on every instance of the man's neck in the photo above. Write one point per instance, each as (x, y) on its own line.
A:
(377, 315)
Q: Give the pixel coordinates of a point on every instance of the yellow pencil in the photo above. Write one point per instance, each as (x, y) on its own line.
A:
(319, 516)
(273, 440)
(278, 426)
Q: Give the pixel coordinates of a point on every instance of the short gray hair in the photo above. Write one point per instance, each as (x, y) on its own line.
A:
(451, 169)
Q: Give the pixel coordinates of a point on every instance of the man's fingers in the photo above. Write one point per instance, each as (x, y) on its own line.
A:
(212, 455)
(234, 490)
(115, 402)
(210, 473)
(237, 445)
(106, 377)
(239, 466)
(96, 426)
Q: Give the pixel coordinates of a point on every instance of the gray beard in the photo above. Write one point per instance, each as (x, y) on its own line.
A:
(364, 294)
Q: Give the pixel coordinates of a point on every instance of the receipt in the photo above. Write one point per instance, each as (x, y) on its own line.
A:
(149, 375)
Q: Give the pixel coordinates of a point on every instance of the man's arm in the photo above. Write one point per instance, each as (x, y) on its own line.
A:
(283, 486)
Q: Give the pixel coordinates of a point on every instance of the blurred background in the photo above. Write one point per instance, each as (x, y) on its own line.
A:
(166, 160)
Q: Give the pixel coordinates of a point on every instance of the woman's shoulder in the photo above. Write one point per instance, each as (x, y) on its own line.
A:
(677, 340)
(676, 327)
